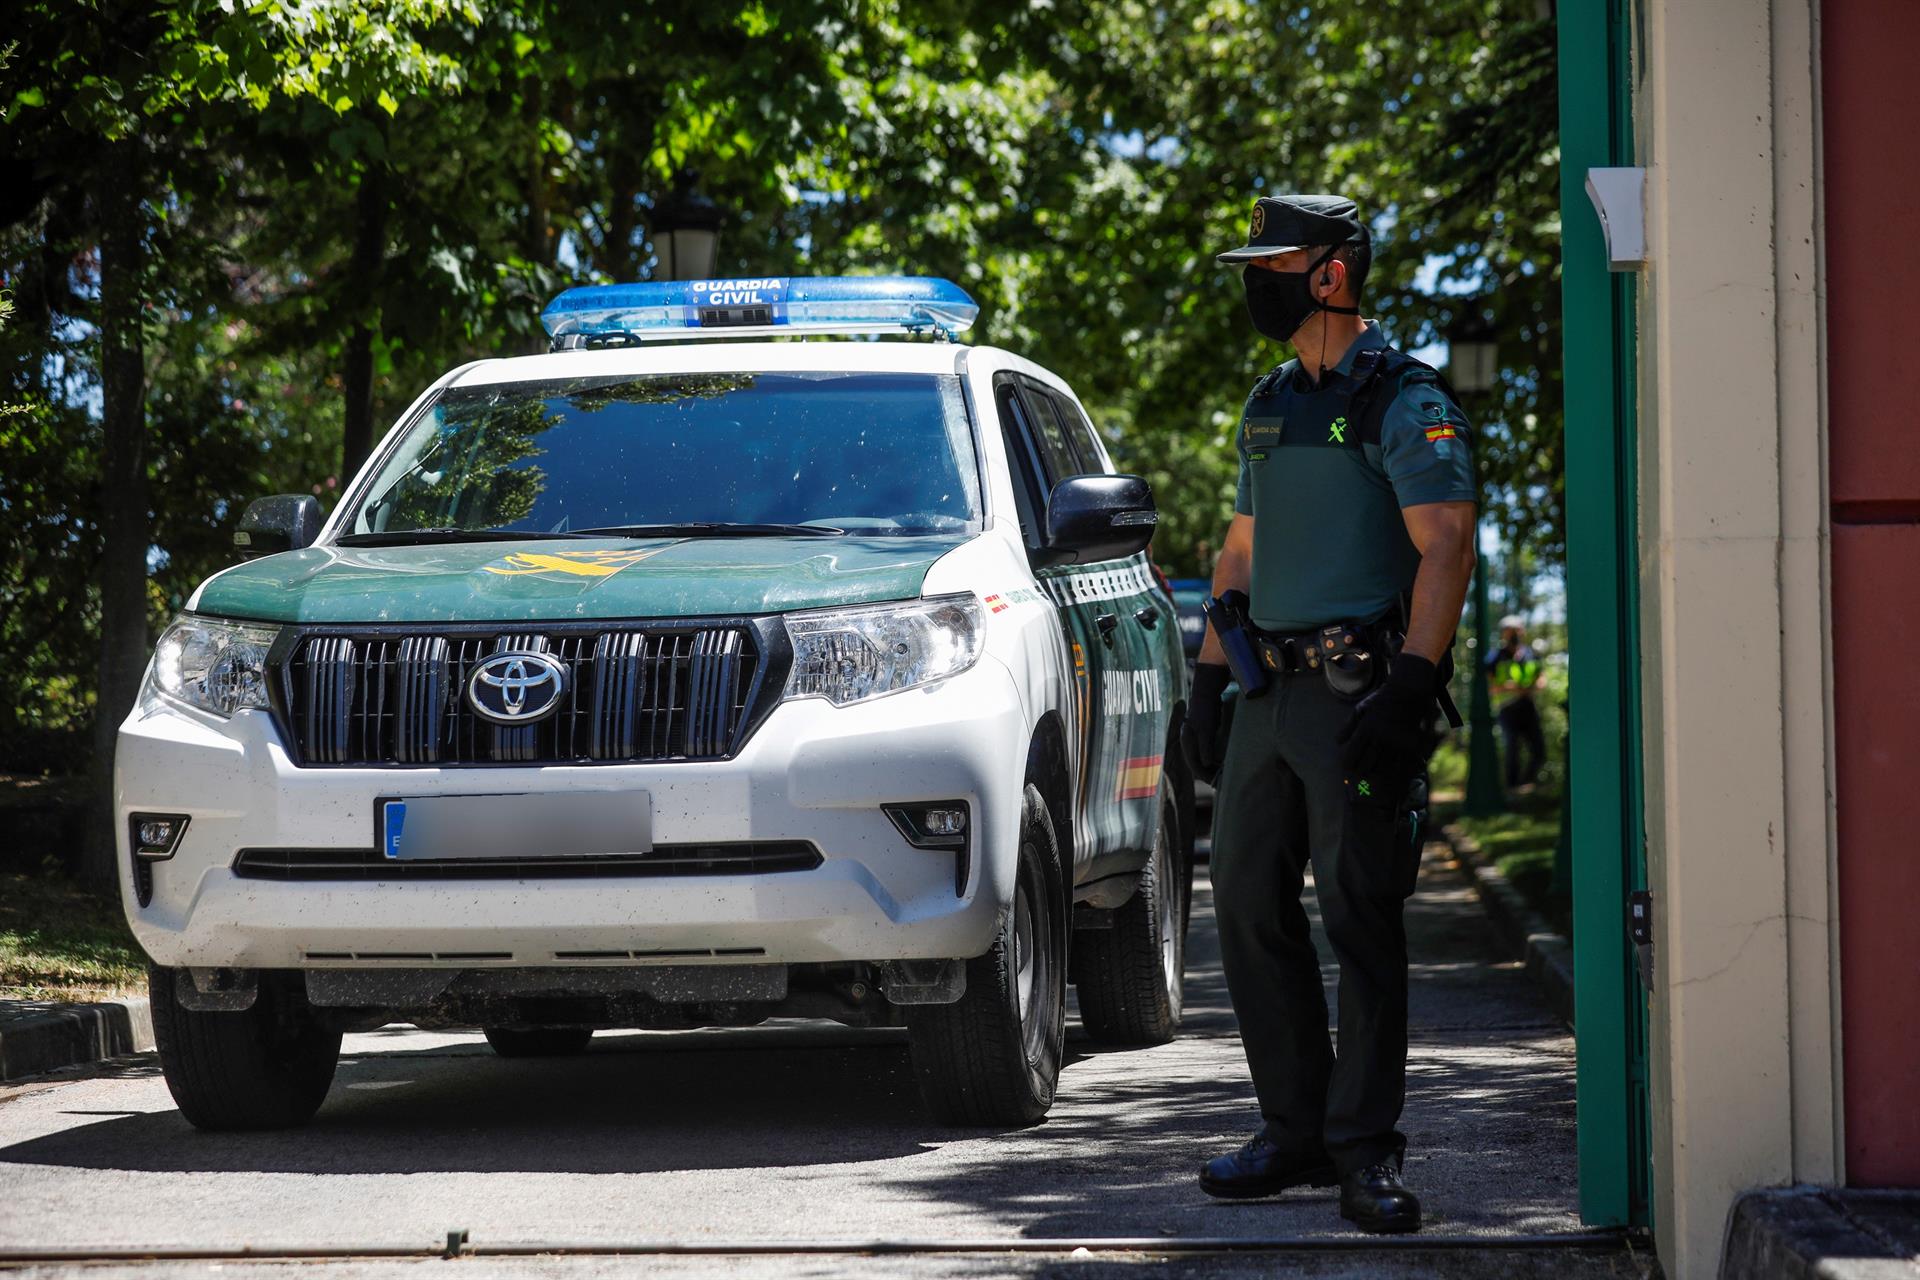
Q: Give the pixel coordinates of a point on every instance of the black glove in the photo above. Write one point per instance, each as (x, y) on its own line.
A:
(1200, 731)
(1383, 747)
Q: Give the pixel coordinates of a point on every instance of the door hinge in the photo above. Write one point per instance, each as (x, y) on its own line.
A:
(1640, 929)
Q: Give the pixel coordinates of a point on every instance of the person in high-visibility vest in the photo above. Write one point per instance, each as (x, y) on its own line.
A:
(1513, 673)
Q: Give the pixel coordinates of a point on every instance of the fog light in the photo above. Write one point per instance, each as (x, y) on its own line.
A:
(945, 822)
(940, 825)
(157, 835)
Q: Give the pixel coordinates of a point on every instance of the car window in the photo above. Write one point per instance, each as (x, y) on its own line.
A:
(1029, 486)
(1079, 433)
(871, 453)
(1050, 434)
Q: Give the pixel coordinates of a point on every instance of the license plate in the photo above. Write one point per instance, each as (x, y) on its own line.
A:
(569, 824)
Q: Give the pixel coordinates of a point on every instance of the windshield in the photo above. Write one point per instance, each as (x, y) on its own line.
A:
(861, 453)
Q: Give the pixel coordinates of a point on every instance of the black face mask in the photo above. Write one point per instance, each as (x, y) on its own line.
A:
(1279, 302)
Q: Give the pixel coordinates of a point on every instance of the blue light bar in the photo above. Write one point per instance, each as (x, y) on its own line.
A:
(593, 314)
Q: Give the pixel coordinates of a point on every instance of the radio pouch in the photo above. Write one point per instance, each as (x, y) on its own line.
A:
(1347, 662)
(1228, 614)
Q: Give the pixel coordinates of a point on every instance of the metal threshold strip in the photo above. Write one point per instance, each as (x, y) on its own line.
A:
(458, 1245)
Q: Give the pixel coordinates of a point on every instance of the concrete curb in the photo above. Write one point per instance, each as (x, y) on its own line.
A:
(1549, 955)
(1814, 1233)
(40, 1036)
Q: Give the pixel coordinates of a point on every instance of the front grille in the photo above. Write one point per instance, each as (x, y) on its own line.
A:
(632, 695)
(752, 857)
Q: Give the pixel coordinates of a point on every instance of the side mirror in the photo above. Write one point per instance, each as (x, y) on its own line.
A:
(284, 522)
(1093, 518)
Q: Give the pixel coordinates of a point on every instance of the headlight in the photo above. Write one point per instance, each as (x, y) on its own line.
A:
(216, 666)
(850, 655)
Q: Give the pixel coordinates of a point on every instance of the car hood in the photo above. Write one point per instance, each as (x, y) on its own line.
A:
(552, 580)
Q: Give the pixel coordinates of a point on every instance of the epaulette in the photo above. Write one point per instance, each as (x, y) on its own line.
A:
(1270, 380)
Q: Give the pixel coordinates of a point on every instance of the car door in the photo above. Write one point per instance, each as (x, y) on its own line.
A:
(1144, 668)
(1042, 457)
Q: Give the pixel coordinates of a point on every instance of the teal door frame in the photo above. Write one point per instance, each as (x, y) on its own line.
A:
(1603, 619)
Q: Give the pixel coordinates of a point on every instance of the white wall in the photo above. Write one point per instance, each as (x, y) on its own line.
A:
(1733, 587)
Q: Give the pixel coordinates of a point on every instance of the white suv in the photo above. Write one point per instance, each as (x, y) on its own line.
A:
(643, 685)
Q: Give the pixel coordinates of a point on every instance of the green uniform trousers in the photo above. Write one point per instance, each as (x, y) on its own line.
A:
(1283, 802)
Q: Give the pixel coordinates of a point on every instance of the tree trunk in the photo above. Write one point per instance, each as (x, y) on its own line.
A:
(363, 286)
(621, 261)
(632, 142)
(125, 526)
(539, 225)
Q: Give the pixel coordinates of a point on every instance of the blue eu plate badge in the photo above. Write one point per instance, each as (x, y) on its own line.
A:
(395, 815)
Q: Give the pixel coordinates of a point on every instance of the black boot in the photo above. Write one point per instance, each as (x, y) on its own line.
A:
(1374, 1200)
(1261, 1169)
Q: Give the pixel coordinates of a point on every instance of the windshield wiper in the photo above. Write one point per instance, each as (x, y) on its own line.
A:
(712, 529)
(421, 537)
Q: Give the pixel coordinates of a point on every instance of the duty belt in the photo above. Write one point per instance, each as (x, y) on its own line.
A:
(1287, 654)
(1350, 655)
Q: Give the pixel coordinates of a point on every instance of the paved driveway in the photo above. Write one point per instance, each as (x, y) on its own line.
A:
(803, 1133)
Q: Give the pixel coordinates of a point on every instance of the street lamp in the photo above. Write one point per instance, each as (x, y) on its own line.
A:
(1473, 367)
(686, 232)
(1473, 357)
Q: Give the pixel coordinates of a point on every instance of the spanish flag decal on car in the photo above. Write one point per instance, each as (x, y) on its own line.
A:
(570, 564)
(1139, 778)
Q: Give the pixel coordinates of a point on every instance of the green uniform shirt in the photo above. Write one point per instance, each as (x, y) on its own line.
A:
(1329, 543)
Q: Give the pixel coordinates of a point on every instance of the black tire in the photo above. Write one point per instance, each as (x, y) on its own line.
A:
(539, 1042)
(268, 1067)
(1187, 813)
(1131, 978)
(993, 1058)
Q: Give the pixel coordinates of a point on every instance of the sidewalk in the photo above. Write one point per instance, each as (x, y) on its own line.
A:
(37, 1036)
(1490, 1118)
(813, 1136)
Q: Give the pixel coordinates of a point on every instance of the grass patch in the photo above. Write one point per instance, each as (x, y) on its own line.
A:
(1447, 770)
(1521, 844)
(58, 942)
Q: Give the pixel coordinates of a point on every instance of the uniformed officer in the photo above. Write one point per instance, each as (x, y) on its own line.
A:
(1353, 536)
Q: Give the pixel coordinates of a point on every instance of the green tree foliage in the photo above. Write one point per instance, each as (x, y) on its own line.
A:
(1437, 116)
(319, 206)
(125, 124)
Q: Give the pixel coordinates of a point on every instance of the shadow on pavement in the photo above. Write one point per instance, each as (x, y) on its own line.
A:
(1490, 1117)
(633, 1104)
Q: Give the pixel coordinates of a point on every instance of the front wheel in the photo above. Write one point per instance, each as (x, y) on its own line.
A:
(267, 1067)
(993, 1056)
(1133, 976)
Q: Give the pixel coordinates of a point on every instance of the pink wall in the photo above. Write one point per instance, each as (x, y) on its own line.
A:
(1871, 109)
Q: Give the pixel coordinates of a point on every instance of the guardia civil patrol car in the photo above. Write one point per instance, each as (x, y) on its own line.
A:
(663, 684)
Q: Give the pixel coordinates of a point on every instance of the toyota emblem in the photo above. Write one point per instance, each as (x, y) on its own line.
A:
(516, 688)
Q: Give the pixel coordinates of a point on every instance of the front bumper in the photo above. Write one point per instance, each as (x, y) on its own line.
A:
(811, 772)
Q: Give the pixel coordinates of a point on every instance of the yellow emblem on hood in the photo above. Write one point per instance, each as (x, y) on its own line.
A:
(576, 564)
